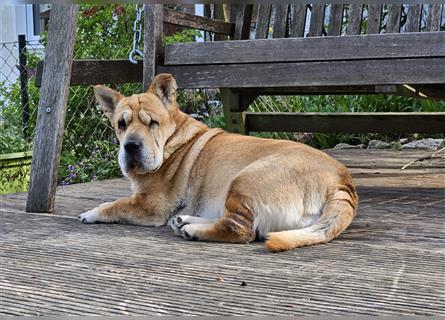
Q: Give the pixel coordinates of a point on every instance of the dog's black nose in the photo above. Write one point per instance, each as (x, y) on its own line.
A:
(132, 146)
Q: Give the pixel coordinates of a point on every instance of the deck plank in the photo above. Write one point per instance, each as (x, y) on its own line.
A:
(388, 262)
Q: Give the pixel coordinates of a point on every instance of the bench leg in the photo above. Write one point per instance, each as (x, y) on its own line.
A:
(234, 105)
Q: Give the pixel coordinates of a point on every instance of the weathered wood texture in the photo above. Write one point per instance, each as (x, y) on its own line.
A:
(317, 18)
(280, 22)
(153, 48)
(434, 17)
(332, 73)
(298, 21)
(403, 45)
(394, 122)
(263, 19)
(52, 107)
(242, 25)
(413, 18)
(394, 15)
(388, 262)
(355, 18)
(196, 22)
(335, 20)
(374, 18)
(107, 71)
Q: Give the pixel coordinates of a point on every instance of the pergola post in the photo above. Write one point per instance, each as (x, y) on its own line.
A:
(52, 107)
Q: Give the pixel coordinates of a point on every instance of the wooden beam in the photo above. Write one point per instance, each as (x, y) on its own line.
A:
(263, 19)
(153, 48)
(311, 90)
(243, 20)
(330, 73)
(404, 45)
(234, 121)
(374, 18)
(298, 20)
(335, 20)
(434, 17)
(317, 19)
(413, 18)
(52, 107)
(375, 122)
(355, 18)
(280, 21)
(90, 72)
(197, 22)
(394, 15)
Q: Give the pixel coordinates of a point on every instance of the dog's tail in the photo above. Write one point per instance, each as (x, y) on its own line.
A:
(338, 212)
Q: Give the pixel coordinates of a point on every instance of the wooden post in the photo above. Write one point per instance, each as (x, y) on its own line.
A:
(235, 121)
(233, 100)
(153, 48)
(52, 106)
(24, 86)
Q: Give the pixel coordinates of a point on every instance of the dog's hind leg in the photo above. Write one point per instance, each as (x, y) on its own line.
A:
(235, 226)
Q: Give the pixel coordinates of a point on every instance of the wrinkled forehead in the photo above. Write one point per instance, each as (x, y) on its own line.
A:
(142, 104)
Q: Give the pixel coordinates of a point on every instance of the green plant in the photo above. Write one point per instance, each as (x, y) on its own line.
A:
(186, 35)
(330, 103)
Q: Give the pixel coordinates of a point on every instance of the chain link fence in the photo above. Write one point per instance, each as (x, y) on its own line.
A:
(89, 145)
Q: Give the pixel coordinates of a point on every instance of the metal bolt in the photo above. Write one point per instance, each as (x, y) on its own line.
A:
(48, 109)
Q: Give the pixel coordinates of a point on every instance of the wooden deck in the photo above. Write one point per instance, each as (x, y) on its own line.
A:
(390, 260)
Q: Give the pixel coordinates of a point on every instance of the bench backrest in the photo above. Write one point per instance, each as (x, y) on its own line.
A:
(301, 20)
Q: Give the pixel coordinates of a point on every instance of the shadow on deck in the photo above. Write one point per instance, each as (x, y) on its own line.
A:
(390, 260)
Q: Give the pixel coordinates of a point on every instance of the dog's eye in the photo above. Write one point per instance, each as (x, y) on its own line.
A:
(121, 124)
(154, 124)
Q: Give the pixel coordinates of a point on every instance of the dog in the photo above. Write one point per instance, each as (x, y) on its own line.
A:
(211, 185)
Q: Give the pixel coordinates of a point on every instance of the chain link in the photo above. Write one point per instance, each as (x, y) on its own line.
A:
(137, 35)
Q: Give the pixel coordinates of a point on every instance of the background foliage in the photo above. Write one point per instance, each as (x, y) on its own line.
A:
(90, 147)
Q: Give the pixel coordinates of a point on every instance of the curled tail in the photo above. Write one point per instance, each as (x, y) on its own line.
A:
(338, 212)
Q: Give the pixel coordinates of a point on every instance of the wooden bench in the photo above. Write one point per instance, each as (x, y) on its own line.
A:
(364, 55)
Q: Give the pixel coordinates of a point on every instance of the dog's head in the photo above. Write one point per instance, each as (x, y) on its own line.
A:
(143, 123)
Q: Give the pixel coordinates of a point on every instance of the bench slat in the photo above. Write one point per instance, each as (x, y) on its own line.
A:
(331, 73)
(403, 45)
(394, 14)
(434, 16)
(317, 18)
(280, 23)
(374, 18)
(335, 20)
(242, 26)
(355, 18)
(298, 21)
(350, 122)
(413, 18)
(263, 19)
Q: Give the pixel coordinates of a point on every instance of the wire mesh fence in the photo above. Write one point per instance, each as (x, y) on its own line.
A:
(89, 144)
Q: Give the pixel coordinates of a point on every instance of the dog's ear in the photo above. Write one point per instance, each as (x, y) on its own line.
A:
(108, 99)
(164, 86)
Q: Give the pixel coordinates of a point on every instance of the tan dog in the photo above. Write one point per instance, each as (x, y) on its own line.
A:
(212, 185)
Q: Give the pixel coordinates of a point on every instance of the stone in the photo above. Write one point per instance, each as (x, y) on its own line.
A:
(429, 144)
(348, 146)
(378, 144)
(404, 140)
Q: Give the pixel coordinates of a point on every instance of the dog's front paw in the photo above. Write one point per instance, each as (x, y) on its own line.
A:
(89, 216)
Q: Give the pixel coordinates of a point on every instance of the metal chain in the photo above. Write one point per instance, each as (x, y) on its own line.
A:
(137, 35)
